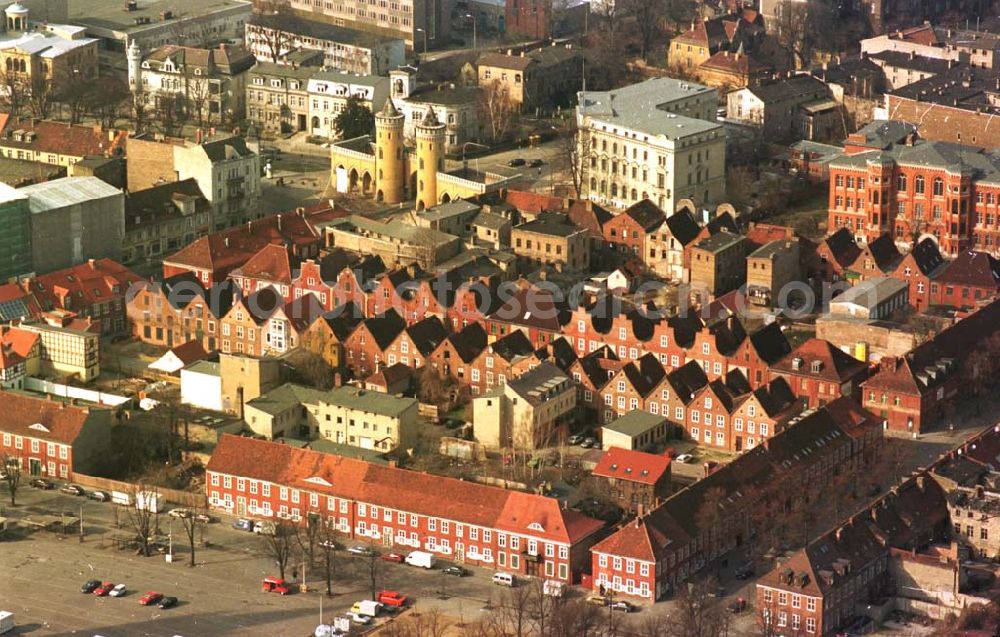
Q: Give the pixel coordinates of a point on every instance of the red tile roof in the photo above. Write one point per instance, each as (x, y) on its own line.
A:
(64, 139)
(973, 269)
(764, 233)
(634, 466)
(8, 357)
(836, 365)
(22, 341)
(41, 418)
(82, 285)
(532, 202)
(410, 491)
(190, 352)
(232, 248)
(271, 264)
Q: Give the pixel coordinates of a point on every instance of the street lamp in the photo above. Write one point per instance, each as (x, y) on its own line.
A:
(473, 18)
(419, 30)
(465, 164)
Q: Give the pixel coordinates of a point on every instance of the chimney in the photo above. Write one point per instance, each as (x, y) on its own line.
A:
(225, 241)
(279, 223)
(639, 511)
(301, 212)
(198, 136)
(90, 262)
(411, 270)
(922, 483)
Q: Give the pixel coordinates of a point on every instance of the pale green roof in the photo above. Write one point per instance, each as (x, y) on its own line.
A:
(289, 395)
(635, 423)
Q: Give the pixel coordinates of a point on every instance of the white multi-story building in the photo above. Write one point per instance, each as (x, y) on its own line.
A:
(271, 37)
(656, 140)
(208, 85)
(328, 93)
(420, 23)
(457, 107)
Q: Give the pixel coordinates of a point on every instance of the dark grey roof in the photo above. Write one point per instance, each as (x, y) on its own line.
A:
(797, 86)
(220, 148)
(320, 30)
(899, 59)
(882, 133)
(683, 226)
(557, 225)
(960, 87)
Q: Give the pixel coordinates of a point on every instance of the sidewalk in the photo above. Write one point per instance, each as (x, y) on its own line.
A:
(297, 144)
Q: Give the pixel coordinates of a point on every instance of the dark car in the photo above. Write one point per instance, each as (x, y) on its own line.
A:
(514, 163)
(167, 602)
(737, 606)
(42, 483)
(536, 163)
(90, 586)
(623, 606)
(72, 489)
(744, 571)
(457, 571)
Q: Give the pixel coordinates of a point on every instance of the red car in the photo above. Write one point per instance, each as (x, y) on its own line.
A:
(104, 589)
(275, 585)
(393, 557)
(150, 599)
(392, 598)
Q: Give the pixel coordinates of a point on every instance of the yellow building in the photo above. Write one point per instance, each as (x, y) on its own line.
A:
(41, 51)
(391, 173)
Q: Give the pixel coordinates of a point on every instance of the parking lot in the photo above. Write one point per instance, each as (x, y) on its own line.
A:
(220, 596)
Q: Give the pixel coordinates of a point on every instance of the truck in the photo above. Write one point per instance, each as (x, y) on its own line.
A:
(422, 559)
(6, 621)
(121, 497)
(148, 501)
(366, 607)
(553, 588)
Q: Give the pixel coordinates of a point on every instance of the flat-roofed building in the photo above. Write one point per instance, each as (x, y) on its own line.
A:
(552, 238)
(634, 430)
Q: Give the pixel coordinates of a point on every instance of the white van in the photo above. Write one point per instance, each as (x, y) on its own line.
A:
(553, 588)
(503, 579)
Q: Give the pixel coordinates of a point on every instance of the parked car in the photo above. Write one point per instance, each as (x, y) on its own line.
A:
(514, 163)
(330, 544)
(42, 483)
(100, 496)
(180, 513)
(597, 600)
(167, 602)
(367, 607)
(575, 439)
(150, 598)
(588, 442)
(104, 589)
(457, 571)
(684, 458)
(243, 524)
(204, 518)
(623, 606)
(72, 489)
(738, 605)
(275, 585)
(267, 528)
(358, 618)
(744, 571)
(362, 550)
(392, 598)
(393, 557)
(536, 163)
(90, 586)
(118, 591)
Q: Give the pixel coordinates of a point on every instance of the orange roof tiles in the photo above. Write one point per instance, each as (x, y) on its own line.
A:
(634, 466)
(97, 281)
(41, 418)
(410, 491)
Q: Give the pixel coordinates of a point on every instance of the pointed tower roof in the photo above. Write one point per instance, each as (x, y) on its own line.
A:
(430, 118)
(389, 109)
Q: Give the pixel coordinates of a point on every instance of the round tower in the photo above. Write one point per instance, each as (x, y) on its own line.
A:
(430, 158)
(390, 172)
(134, 57)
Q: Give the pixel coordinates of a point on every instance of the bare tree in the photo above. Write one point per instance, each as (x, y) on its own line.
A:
(40, 97)
(268, 27)
(138, 114)
(699, 612)
(73, 89)
(142, 514)
(106, 98)
(577, 145)
(11, 475)
(190, 523)
(328, 545)
(309, 536)
(514, 611)
(279, 544)
(13, 92)
(541, 607)
(373, 568)
(497, 109)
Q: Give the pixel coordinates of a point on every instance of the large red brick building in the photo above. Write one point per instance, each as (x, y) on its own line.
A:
(470, 523)
(819, 373)
(891, 181)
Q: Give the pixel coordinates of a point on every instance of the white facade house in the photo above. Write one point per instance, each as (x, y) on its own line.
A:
(201, 386)
(328, 93)
(457, 107)
(656, 140)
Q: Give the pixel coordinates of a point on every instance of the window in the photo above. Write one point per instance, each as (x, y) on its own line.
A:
(938, 187)
(918, 185)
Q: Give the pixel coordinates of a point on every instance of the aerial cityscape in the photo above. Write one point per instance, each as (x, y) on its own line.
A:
(500, 318)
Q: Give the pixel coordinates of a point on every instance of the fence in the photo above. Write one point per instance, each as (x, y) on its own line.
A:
(65, 391)
(183, 498)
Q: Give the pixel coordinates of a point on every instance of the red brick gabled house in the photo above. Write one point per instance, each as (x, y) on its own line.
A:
(97, 289)
(837, 254)
(876, 259)
(353, 283)
(708, 418)
(759, 351)
(470, 523)
(259, 324)
(417, 344)
(365, 347)
(502, 360)
(457, 354)
(818, 373)
(53, 439)
(537, 312)
(629, 388)
(271, 266)
(969, 280)
(761, 414)
(634, 480)
(591, 373)
(920, 267)
(211, 258)
(178, 310)
(627, 232)
(911, 392)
